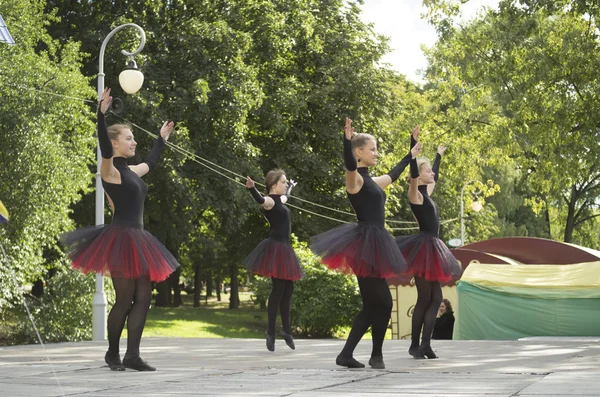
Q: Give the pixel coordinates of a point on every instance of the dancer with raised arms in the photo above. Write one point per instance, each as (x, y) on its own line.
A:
(365, 249)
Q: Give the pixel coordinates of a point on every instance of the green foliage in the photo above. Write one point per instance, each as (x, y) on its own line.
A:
(261, 289)
(323, 302)
(63, 313)
(46, 141)
(520, 81)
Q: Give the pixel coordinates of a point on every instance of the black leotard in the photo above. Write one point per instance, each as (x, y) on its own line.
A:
(127, 197)
(369, 202)
(279, 218)
(427, 214)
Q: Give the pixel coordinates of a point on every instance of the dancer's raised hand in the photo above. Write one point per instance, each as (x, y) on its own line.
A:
(166, 129)
(416, 132)
(105, 100)
(416, 150)
(348, 130)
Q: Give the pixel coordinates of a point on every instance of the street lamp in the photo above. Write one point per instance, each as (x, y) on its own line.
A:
(131, 82)
(476, 206)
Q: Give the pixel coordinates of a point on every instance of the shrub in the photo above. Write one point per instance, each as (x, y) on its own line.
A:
(63, 312)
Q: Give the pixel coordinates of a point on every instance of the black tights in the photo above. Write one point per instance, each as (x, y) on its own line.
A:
(376, 312)
(429, 297)
(133, 298)
(280, 298)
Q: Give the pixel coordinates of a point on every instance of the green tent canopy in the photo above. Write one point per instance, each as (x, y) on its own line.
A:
(516, 301)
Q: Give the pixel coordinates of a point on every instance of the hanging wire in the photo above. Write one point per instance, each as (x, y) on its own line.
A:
(414, 228)
(204, 162)
(195, 157)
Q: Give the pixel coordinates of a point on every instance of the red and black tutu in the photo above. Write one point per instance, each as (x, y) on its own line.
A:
(120, 250)
(274, 258)
(360, 249)
(428, 257)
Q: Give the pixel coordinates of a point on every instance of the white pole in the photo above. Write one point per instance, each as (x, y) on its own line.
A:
(462, 211)
(462, 215)
(99, 301)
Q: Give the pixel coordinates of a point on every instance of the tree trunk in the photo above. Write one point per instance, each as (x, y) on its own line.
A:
(209, 287)
(234, 297)
(218, 289)
(548, 226)
(162, 294)
(177, 288)
(570, 224)
(197, 285)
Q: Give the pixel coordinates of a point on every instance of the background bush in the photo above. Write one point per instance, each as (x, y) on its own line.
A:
(63, 313)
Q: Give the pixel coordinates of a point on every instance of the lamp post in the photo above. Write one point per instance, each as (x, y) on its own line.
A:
(131, 80)
(475, 207)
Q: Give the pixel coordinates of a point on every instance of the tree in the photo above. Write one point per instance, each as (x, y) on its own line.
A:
(526, 74)
(265, 84)
(47, 141)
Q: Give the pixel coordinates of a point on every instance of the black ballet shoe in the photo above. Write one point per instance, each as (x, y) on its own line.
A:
(114, 361)
(349, 362)
(414, 351)
(376, 362)
(270, 342)
(427, 352)
(289, 340)
(137, 363)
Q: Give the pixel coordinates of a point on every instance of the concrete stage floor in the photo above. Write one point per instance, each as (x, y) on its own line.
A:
(533, 367)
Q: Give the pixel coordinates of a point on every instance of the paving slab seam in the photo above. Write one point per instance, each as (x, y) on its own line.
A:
(337, 384)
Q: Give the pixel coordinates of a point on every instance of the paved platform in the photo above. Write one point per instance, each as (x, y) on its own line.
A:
(535, 367)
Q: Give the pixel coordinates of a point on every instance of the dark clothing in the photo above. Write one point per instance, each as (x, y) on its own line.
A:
(128, 197)
(429, 297)
(427, 214)
(275, 256)
(133, 297)
(376, 312)
(367, 250)
(280, 298)
(123, 249)
(369, 202)
(444, 326)
(279, 218)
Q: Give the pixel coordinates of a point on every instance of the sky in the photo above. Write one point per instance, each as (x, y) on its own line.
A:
(401, 21)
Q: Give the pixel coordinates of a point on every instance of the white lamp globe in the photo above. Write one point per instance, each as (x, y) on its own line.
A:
(476, 206)
(131, 78)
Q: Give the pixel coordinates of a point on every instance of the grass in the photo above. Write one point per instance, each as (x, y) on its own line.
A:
(212, 319)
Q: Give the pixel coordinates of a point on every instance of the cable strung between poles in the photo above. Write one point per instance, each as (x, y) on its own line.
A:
(190, 154)
(195, 158)
(192, 157)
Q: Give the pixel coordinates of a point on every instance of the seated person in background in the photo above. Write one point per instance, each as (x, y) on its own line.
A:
(444, 323)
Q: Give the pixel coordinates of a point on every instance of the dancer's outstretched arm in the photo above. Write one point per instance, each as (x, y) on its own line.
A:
(152, 158)
(436, 168)
(354, 181)
(288, 192)
(108, 172)
(414, 196)
(266, 202)
(385, 180)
